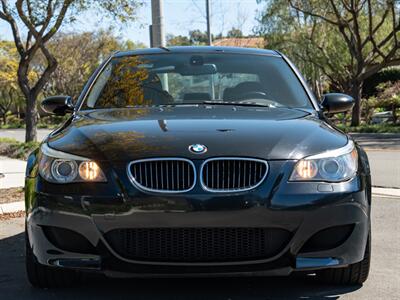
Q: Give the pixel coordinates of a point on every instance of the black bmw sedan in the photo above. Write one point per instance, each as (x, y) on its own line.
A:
(197, 161)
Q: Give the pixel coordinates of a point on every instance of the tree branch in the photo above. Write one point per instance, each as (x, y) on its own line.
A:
(59, 21)
(377, 67)
(312, 14)
(51, 67)
(5, 15)
(372, 30)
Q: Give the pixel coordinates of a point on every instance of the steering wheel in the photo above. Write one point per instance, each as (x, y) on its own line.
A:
(253, 95)
(164, 94)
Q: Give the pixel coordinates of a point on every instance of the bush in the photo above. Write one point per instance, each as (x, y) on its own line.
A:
(13, 121)
(14, 149)
(387, 99)
(52, 121)
(371, 84)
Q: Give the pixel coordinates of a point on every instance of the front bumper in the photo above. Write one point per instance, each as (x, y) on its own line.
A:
(303, 209)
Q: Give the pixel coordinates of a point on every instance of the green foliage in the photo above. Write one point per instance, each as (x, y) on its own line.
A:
(234, 33)
(10, 95)
(178, 40)
(13, 122)
(194, 38)
(339, 41)
(198, 37)
(131, 45)
(78, 54)
(121, 10)
(371, 83)
(14, 149)
(40, 20)
(49, 122)
(52, 121)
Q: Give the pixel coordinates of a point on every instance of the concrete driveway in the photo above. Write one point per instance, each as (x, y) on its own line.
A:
(383, 283)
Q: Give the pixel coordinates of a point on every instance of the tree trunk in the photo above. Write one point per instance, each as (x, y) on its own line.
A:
(356, 92)
(31, 118)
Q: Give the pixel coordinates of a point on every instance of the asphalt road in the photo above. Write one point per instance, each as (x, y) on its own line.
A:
(383, 283)
(385, 168)
(383, 152)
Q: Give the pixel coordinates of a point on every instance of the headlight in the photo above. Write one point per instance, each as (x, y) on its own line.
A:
(60, 167)
(332, 166)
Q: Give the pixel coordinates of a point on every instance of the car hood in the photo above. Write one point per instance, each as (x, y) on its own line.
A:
(133, 133)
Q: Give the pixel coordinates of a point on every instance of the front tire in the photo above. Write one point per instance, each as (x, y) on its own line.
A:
(353, 274)
(43, 276)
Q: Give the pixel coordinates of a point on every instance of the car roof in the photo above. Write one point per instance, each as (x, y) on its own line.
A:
(198, 49)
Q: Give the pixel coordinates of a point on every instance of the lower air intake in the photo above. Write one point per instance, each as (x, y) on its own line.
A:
(197, 244)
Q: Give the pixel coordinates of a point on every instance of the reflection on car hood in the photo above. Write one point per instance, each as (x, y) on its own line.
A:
(133, 133)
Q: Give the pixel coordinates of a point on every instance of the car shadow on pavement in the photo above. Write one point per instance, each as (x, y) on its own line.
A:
(14, 285)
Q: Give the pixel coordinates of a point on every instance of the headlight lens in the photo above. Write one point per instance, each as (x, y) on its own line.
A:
(64, 170)
(332, 166)
(59, 167)
(89, 170)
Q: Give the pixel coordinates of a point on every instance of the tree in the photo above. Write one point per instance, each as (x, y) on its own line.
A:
(234, 33)
(178, 40)
(389, 98)
(295, 35)
(131, 45)
(9, 91)
(347, 41)
(198, 37)
(78, 54)
(42, 19)
(364, 33)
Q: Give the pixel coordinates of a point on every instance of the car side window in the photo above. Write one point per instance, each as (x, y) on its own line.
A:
(98, 87)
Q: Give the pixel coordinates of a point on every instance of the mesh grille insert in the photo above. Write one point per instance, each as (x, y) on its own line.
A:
(197, 244)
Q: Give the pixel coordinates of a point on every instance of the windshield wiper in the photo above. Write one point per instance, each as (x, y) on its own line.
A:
(235, 103)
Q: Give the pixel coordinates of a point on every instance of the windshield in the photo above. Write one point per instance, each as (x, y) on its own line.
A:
(188, 78)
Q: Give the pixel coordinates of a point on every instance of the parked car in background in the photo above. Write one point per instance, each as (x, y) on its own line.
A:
(197, 161)
(382, 117)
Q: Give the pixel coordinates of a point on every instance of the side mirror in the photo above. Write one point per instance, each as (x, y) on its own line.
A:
(336, 103)
(58, 105)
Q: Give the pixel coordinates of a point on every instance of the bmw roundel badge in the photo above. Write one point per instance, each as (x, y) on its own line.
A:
(198, 148)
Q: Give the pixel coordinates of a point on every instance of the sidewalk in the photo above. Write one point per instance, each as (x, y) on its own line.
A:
(12, 172)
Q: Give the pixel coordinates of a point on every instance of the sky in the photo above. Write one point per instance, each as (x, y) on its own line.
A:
(180, 16)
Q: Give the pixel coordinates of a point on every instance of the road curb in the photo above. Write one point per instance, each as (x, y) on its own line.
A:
(386, 192)
(12, 207)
